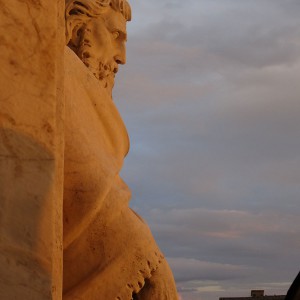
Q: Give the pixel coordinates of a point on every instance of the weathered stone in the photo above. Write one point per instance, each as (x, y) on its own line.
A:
(62, 145)
(31, 149)
(109, 251)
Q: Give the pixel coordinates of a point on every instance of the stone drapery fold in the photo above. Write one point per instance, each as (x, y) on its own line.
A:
(109, 250)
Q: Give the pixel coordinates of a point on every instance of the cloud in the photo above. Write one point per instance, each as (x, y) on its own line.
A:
(229, 246)
(189, 269)
(210, 96)
(228, 223)
(253, 236)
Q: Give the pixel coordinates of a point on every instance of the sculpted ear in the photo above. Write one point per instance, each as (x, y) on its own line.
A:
(76, 16)
(74, 26)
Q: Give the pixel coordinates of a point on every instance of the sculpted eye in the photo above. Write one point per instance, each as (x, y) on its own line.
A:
(116, 34)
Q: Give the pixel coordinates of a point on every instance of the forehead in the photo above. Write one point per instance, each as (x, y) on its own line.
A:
(115, 20)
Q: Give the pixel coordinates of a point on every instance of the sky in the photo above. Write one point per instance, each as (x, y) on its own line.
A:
(210, 97)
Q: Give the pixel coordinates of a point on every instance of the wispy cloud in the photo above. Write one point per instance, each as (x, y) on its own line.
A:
(210, 96)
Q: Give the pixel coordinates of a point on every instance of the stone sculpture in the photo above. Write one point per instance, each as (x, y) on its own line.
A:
(32, 35)
(66, 230)
(109, 252)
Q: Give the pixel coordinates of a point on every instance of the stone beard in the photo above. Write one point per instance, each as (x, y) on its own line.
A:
(108, 250)
(103, 71)
(96, 32)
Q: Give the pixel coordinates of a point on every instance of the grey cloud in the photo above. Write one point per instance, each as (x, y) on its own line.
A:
(231, 248)
(187, 269)
(210, 97)
(232, 32)
(231, 231)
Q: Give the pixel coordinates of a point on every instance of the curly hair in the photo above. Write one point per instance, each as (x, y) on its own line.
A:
(85, 9)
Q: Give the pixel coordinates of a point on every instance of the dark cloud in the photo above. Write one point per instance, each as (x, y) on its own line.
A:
(210, 97)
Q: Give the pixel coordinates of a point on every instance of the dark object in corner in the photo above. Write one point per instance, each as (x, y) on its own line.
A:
(294, 290)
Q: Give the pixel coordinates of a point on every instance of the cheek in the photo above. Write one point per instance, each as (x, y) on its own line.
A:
(101, 38)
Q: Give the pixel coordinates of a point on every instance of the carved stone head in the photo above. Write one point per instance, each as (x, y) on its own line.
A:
(96, 32)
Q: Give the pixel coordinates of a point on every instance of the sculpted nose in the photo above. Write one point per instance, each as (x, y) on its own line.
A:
(120, 60)
(120, 57)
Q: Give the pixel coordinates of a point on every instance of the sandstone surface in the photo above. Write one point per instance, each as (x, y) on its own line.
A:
(66, 229)
(31, 149)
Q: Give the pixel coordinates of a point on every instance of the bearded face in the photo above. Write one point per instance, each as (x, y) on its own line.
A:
(103, 67)
(101, 45)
